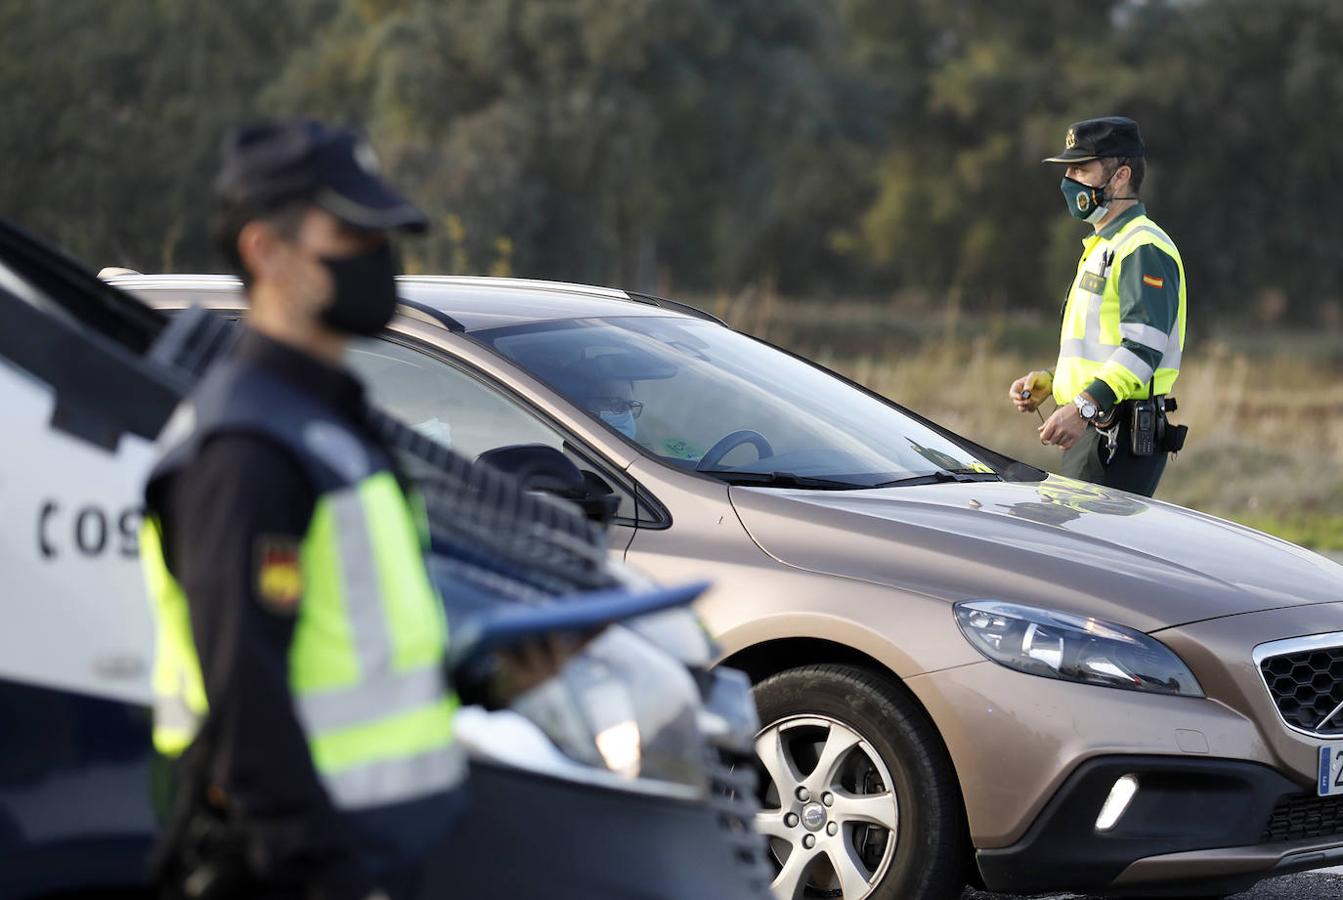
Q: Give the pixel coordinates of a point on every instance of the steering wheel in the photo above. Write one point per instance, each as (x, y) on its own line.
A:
(714, 455)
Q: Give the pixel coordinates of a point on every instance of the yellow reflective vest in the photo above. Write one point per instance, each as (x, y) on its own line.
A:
(1124, 317)
(366, 660)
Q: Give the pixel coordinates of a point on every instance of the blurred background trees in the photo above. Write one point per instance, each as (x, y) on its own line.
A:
(856, 180)
(855, 148)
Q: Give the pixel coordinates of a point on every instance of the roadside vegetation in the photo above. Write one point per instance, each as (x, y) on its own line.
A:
(1264, 407)
(808, 148)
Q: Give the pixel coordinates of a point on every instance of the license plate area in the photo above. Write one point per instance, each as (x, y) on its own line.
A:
(1331, 771)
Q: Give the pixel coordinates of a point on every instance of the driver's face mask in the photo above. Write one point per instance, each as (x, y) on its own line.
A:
(618, 412)
(622, 422)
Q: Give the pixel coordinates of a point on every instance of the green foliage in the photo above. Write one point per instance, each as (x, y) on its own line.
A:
(821, 146)
(1237, 100)
(626, 142)
(1314, 530)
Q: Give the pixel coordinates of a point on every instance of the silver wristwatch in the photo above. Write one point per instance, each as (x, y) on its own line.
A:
(1088, 408)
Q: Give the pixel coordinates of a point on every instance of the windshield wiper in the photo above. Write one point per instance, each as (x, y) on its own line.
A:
(942, 476)
(783, 479)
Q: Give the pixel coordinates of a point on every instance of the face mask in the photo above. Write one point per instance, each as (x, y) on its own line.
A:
(365, 296)
(1084, 201)
(622, 422)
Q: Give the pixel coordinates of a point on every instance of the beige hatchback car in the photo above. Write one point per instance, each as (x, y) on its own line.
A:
(967, 670)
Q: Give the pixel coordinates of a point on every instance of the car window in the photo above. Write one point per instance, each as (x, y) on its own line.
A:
(697, 394)
(444, 402)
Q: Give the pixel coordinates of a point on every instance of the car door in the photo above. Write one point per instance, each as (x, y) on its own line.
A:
(450, 401)
(83, 398)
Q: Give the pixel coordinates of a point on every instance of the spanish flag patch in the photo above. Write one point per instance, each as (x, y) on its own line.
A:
(1153, 281)
(279, 580)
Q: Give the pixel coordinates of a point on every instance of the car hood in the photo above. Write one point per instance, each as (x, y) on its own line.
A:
(1058, 543)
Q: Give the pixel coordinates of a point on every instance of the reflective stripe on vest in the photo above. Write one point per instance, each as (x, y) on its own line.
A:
(1092, 330)
(366, 659)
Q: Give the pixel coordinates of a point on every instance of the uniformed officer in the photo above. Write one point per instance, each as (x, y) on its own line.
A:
(1123, 320)
(298, 675)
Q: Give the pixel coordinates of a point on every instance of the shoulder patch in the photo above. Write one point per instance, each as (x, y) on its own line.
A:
(1153, 281)
(279, 573)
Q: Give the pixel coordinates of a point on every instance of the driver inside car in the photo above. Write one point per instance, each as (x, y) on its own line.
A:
(612, 399)
(602, 382)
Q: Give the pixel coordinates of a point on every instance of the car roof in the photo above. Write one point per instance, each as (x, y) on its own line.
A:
(460, 303)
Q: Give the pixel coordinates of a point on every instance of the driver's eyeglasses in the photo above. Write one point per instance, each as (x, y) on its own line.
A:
(616, 405)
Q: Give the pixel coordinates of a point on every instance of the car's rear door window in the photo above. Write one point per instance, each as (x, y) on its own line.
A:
(444, 402)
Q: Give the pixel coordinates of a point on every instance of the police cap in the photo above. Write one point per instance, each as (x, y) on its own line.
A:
(268, 164)
(1102, 138)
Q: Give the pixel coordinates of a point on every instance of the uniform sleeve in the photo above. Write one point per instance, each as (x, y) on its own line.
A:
(234, 522)
(1149, 303)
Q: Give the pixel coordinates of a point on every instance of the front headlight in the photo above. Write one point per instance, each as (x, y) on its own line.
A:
(1073, 648)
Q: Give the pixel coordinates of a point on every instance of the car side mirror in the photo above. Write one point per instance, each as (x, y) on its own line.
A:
(543, 468)
(599, 502)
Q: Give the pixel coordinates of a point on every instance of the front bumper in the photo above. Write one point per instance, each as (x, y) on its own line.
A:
(1206, 825)
(1230, 790)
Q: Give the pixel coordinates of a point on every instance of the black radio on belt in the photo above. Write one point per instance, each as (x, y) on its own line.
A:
(1142, 427)
(1149, 430)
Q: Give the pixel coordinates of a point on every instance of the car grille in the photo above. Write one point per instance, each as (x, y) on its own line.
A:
(1299, 818)
(1307, 687)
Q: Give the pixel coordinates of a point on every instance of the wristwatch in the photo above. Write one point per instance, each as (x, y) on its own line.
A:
(1087, 407)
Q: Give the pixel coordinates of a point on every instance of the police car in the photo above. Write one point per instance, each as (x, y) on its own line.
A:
(89, 376)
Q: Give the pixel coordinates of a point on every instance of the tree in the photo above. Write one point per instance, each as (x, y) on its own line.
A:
(702, 141)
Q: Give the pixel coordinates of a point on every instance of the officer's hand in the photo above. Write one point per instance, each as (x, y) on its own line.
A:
(1064, 427)
(1038, 384)
(529, 664)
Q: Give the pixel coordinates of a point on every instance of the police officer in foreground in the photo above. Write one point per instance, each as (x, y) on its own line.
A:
(1123, 321)
(299, 672)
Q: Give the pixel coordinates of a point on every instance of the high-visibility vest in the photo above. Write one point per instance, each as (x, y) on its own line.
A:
(1093, 332)
(366, 661)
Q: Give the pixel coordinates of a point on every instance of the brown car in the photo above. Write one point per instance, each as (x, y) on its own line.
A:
(967, 670)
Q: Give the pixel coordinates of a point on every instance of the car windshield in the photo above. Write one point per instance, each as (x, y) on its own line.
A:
(701, 396)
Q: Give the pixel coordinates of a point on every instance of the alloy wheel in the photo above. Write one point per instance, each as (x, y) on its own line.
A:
(830, 815)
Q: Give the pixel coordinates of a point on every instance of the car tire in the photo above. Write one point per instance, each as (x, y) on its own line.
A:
(813, 715)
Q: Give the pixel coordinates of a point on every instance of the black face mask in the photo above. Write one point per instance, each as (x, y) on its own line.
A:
(365, 296)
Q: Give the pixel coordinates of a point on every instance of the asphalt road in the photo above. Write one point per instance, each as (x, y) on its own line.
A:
(1312, 886)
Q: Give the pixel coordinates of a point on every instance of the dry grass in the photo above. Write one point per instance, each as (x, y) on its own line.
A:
(1265, 416)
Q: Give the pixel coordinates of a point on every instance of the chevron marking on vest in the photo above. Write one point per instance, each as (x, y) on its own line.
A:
(1131, 238)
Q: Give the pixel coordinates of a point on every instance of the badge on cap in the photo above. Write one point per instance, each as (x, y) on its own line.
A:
(366, 158)
(1070, 141)
(279, 581)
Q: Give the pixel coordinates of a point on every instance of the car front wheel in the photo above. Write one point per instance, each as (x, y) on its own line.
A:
(859, 799)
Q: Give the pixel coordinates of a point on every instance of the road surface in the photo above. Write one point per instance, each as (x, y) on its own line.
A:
(1325, 885)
